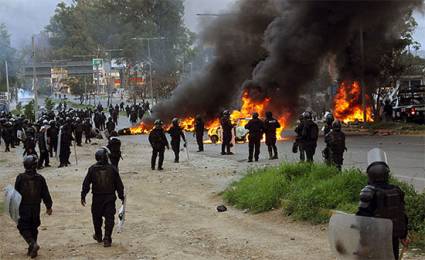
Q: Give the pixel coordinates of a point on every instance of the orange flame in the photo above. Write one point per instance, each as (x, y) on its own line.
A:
(248, 107)
(348, 104)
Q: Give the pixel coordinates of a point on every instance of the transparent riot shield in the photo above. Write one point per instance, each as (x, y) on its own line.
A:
(354, 237)
(12, 200)
(376, 155)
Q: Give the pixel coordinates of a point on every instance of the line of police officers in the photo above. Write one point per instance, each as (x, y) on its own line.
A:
(377, 199)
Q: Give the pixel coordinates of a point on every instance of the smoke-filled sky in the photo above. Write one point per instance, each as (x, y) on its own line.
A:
(25, 17)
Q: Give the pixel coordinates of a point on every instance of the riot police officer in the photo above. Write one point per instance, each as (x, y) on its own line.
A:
(335, 145)
(78, 131)
(7, 135)
(227, 127)
(52, 134)
(114, 146)
(105, 181)
(33, 189)
(66, 138)
(326, 130)
(199, 132)
(299, 144)
(158, 142)
(309, 137)
(43, 145)
(383, 200)
(256, 130)
(110, 125)
(176, 133)
(270, 126)
(87, 126)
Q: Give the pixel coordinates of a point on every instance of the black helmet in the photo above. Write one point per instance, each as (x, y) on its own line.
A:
(307, 115)
(114, 133)
(336, 125)
(175, 121)
(158, 122)
(255, 115)
(30, 162)
(226, 113)
(198, 117)
(378, 172)
(377, 169)
(101, 155)
(329, 118)
(269, 114)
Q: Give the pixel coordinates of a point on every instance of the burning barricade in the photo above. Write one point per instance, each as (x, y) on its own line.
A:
(238, 117)
(348, 104)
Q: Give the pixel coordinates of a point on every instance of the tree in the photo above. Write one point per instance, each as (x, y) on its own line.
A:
(7, 53)
(29, 111)
(79, 85)
(91, 27)
(49, 104)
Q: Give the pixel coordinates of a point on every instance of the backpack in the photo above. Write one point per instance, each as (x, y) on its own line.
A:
(390, 205)
(314, 132)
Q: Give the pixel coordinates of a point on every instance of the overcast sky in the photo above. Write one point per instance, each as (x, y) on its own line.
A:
(25, 17)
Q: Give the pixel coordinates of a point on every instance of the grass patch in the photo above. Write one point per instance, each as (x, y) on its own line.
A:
(309, 192)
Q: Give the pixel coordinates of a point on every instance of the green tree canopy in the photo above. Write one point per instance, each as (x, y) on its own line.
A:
(91, 27)
(7, 53)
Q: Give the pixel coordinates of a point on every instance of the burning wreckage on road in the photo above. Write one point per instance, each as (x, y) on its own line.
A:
(268, 53)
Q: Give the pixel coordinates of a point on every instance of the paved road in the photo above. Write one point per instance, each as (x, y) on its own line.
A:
(406, 154)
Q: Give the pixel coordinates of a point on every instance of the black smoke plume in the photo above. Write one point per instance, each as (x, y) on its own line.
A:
(278, 47)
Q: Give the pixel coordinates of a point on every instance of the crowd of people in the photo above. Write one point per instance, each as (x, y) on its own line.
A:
(55, 134)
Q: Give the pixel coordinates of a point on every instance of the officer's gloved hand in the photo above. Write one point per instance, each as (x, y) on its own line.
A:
(49, 211)
(83, 202)
(185, 144)
(345, 149)
(168, 147)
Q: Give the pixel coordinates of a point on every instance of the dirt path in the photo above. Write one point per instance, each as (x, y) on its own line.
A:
(171, 215)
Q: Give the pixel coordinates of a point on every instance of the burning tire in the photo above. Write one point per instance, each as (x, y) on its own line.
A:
(214, 139)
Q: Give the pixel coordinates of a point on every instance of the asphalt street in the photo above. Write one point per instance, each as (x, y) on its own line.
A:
(406, 154)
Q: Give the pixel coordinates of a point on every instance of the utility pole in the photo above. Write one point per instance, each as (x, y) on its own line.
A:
(7, 84)
(148, 39)
(34, 80)
(362, 81)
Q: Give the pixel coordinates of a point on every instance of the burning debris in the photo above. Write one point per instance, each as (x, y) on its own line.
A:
(238, 117)
(348, 104)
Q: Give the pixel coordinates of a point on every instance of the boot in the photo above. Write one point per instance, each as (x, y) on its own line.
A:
(270, 155)
(34, 249)
(97, 238)
(107, 242)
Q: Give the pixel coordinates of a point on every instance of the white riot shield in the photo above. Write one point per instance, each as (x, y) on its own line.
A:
(356, 238)
(12, 200)
(376, 155)
(121, 216)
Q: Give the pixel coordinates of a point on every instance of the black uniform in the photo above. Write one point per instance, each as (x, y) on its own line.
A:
(114, 145)
(326, 153)
(310, 134)
(30, 144)
(33, 188)
(335, 144)
(105, 181)
(256, 131)
(199, 133)
(227, 128)
(270, 126)
(7, 136)
(176, 133)
(158, 142)
(44, 148)
(52, 134)
(110, 126)
(299, 140)
(78, 132)
(87, 126)
(65, 145)
(383, 200)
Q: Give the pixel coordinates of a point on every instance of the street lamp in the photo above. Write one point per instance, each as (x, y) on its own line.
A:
(148, 39)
